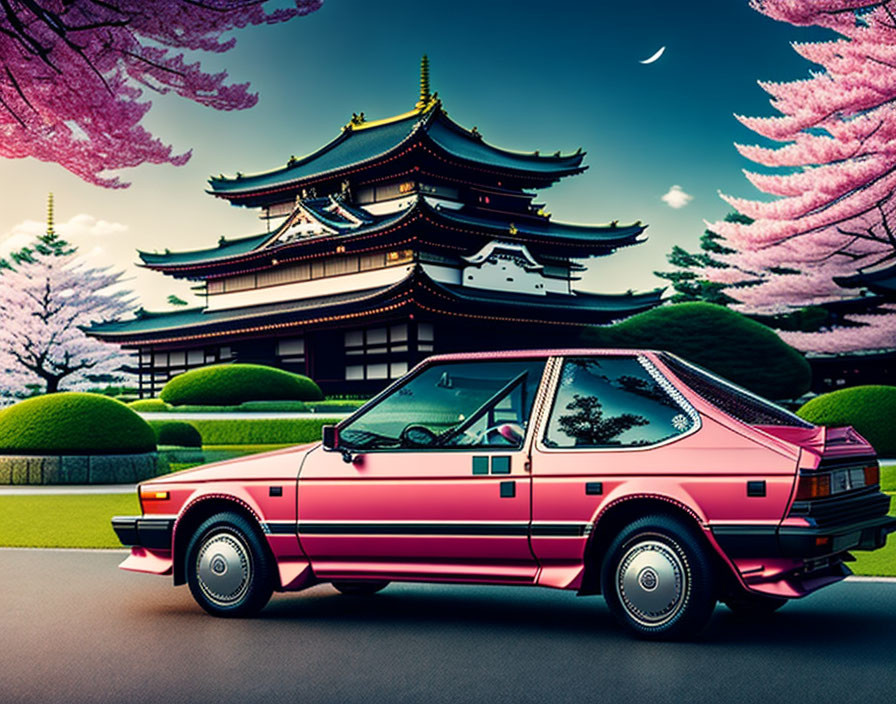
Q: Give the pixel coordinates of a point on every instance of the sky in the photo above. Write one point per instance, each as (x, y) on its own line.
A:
(529, 75)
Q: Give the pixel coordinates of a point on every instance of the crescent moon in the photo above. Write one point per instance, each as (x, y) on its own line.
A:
(655, 57)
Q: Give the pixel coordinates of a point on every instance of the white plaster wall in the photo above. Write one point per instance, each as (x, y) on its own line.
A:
(308, 289)
(504, 275)
(397, 204)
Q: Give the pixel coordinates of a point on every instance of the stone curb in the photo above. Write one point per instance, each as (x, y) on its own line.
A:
(21, 470)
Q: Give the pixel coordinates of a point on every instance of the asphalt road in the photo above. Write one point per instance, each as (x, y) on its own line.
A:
(73, 629)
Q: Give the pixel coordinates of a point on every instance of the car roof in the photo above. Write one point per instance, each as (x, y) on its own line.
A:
(538, 354)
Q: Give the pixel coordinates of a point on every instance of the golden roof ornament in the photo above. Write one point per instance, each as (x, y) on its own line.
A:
(425, 95)
(50, 230)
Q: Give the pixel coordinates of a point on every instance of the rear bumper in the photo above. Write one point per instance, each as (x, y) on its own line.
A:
(792, 560)
(140, 531)
(810, 541)
(807, 541)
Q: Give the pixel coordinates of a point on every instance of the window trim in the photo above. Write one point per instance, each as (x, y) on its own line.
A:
(653, 370)
(534, 412)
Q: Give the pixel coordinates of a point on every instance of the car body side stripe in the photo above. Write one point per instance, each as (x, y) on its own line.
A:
(558, 530)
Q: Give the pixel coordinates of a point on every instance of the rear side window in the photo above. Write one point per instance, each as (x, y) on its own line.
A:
(735, 400)
(616, 402)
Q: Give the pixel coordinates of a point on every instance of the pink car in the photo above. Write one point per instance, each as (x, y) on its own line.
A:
(626, 473)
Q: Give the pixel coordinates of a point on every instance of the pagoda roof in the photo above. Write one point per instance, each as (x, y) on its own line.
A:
(611, 234)
(416, 291)
(620, 304)
(881, 281)
(571, 239)
(362, 144)
(225, 249)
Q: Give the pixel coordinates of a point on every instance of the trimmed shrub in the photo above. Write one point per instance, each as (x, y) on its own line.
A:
(725, 342)
(267, 431)
(176, 432)
(336, 405)
(233, 384)
(73, 423)
(871, 410)
(149, 405)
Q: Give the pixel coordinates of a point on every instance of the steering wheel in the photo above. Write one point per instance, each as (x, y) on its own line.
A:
(417, 436)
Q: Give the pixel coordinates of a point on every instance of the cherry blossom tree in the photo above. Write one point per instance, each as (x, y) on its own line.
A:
(45, 302)
(73, 73)
(835, 177)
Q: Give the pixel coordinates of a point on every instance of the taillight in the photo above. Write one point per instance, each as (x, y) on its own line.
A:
(816, 485)
(813, 486)
(872, 474)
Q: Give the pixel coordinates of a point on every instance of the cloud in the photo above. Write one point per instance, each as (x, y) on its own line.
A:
(676, 198)
(82, 231)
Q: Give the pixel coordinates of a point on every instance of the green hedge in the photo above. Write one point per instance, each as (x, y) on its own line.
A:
(336, 405)
(149, 405)
(176, 432)
(233, 384)
(871, 410)
(159, 406)
(73, 424)
(293, 431)
(725, 342)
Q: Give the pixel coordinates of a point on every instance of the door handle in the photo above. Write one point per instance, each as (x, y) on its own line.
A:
(508, 490)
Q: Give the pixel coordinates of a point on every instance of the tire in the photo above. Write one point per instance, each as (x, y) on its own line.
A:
(754, 605)
(228, 568)
(658, 580)
(360, 587)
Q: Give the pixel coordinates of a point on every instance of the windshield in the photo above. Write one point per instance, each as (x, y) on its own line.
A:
(734, 400)
(449, 405)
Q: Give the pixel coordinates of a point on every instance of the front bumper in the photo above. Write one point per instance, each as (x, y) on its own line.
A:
(141, 531)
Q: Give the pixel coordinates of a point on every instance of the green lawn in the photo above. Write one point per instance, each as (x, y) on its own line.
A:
(63, 521)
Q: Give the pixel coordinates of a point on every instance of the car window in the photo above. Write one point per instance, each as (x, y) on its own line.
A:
(616, 402)
(451, 405)
(734, 400)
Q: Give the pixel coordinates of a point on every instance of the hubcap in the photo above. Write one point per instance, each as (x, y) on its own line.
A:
(652, 582)
(223, 568)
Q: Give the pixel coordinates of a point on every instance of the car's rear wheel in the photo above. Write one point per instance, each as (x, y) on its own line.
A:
(360, 587)
(228, 568)
(658, 580)
(749, 604)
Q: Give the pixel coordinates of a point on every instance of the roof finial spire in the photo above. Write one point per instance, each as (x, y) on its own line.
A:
(425, 96)
(50, 230)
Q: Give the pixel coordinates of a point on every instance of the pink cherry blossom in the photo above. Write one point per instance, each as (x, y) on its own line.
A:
(833, 211)
(73, 75)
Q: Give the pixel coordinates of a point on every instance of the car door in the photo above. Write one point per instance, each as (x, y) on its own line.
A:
(433, 482)
(612, 419)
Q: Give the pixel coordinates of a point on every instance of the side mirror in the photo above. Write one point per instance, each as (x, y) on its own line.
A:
(330, 437)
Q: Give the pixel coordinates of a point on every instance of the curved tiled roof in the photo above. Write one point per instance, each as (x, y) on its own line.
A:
(359, 144)
(348, 149)
(226, 248)
(415, 289)
(611, 234)
(525, 230)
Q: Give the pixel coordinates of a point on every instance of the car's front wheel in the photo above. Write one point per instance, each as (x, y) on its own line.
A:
(227, 567)
(657, 579)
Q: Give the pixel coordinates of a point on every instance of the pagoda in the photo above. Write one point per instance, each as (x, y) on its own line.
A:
(399, 238)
